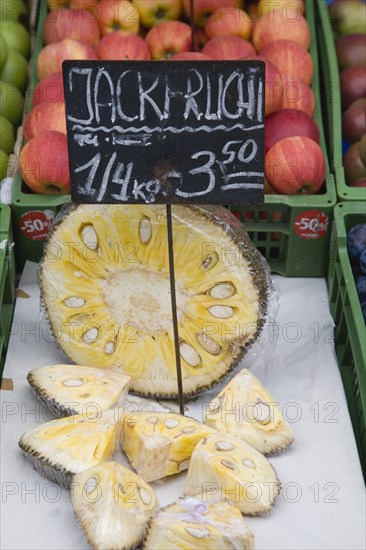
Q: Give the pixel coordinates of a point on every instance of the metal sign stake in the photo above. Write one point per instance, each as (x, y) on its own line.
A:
(174, 307)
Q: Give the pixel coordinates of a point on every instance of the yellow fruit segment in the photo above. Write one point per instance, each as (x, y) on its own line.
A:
(61, 448)
(74, 389)
(112, 505)
(246, 410)
(105, 286)
(223, 463)
(160, 444)
(192, 523)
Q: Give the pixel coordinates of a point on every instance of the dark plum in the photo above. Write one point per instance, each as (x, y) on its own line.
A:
(363, 262)
(356, 241)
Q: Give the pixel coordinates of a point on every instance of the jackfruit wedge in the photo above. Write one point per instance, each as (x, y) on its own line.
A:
(71, 389)
(105, 287)
(223, 463)
(245, 409)
(194, 524)
(61, 448)
(112, 505)
(160, 444)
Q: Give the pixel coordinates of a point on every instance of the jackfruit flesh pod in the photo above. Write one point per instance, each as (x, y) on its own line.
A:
(72, 389)
(112, 505)
(245, 409)
(160, 444)
(105, 285)
(223, 463)
(194, 524)
(61, 448)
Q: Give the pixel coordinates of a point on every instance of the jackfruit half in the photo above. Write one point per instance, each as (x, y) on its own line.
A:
(194, 524)
(160, 444)
(246, 410)
(61, 448)
(105, 287)
(223, 463)
(112, 505)
(72, 389)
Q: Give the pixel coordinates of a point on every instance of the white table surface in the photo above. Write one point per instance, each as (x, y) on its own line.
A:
(322, 504)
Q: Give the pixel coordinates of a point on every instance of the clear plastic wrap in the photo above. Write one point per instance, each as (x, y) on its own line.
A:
(105, 290)
(211, 522)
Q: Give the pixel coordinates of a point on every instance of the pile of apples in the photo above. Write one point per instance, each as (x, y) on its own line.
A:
(14, 55)
(273, 31)
(349, 22)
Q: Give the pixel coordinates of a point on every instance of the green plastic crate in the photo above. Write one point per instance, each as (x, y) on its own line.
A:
(33, 216)
(282, 228)
(293, 231)
(350, 332)
(33, 213)
(331, 102)
(7, 281)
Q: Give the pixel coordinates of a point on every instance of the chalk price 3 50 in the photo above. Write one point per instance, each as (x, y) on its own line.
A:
(107, 176)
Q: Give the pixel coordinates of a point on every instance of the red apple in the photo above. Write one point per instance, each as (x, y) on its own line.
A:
(289, 123)
(202, 9)
(77, 24)
(153, 12)
(44, 164)
(273, 96)
(229, 47)
(200, 38)
(118, 47)
(294, 165)
(290, 58)
(50, 88)
(353, 84)
(51, 56)
(296, 94)
(281, 25)
(229, 21)
(118, 16)
(168, 39)
(190, 56)
(354, 121)
(45, 117)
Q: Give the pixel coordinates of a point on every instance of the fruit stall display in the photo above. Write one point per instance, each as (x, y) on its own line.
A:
(7, 280)
(342, 39)
(104, 299)
(292, 228)
(347, 294)
(15, 48)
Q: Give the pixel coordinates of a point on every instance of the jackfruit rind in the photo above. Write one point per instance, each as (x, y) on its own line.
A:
(160, 444)
(61, 448)
(223, 463)
(195, 524)
(112, 505)
(245, 409)
(105, 287)
(73, 389)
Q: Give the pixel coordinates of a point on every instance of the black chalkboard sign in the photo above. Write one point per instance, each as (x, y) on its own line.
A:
(165, 132)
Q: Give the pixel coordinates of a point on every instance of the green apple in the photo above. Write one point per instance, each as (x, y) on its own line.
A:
(348, 16)
(7, 137)
(4, 159)
(13, 10)
(11, 103)
(3, 51)
(16, 36)
(15, 70)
